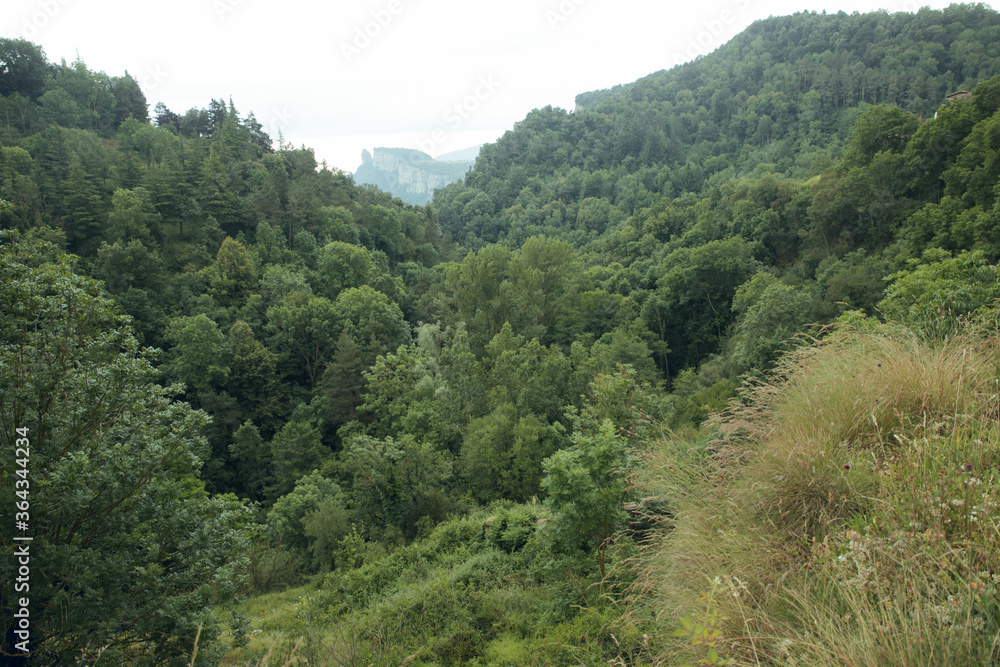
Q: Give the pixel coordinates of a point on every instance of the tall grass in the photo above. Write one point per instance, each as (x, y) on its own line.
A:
(847, 508)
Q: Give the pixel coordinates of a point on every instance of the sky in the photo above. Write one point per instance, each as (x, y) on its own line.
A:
(435, 75)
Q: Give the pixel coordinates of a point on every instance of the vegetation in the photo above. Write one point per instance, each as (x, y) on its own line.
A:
(858, 487)
(703, 371)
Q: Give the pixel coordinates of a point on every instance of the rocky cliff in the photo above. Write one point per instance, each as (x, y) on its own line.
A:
(409, 174)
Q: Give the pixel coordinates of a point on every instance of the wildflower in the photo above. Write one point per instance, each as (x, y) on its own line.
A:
(847, 466)
(968, 467)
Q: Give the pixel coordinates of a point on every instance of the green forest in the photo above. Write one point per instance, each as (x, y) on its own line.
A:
(704, 371)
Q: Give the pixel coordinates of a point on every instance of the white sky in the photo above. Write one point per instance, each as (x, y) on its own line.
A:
(438, 75)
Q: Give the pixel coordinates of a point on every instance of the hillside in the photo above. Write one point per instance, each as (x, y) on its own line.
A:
(780, 98)
(499, 428)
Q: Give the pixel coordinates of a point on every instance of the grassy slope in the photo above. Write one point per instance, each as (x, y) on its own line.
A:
(847, 514)
(479, 590)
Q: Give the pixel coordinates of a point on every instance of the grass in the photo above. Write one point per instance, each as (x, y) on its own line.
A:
(480, 590)
(847, 512)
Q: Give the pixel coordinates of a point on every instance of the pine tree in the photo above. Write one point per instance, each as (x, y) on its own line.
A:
(342, 383)
(84, 208)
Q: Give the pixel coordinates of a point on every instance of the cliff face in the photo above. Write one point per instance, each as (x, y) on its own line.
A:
(409, 174)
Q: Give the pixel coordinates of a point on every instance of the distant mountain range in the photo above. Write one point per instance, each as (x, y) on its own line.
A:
(412, 175)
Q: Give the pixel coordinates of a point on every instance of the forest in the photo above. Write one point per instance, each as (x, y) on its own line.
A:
(703, 371)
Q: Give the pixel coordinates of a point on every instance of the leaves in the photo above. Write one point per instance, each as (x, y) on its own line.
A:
(133, 550)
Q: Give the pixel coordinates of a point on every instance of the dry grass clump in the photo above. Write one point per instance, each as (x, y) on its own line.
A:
(842, 512)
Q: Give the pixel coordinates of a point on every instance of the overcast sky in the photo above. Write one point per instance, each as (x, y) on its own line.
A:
(438, 75)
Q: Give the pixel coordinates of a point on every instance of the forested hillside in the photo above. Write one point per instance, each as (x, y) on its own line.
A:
(243, 373)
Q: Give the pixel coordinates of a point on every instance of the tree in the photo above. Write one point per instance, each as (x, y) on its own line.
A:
(934, 296)
(235, 276)
(83, 205)
(403, 395)
(342, 383)
(164, 117)
(532, 377)
(395, 482)
(769, 314)
(308, 326)
(253, 378)
(311, 493)
(129, 551)
(374, 322)
(337, 224)
(878, 128)
(502, 455)
(550, 270)
(23, 68)
(341, 266)
(133, 217)
(129, 100)
(252, 457)
(691, 306)
(200, 356)
(216, 194)
(59, 107)
(486, 453)
(295, 450)
(587, 485)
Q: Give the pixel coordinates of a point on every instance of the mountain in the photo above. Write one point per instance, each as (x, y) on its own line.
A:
(464, 155)
(412, 175)
(781, 97)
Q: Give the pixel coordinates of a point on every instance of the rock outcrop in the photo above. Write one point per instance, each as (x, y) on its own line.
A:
(409, 174)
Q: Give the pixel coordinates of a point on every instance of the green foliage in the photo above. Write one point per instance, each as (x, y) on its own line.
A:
(305, 325)
(467, 593)
(623, 398)
(587, 485)
(770, 313)
(694, 294)
(532, 378)
(674, 233)
(372, 320)
(253, 378)
(235, 275)
(501, 455)
(310, 517)
(201, 355)
(132, 218)
(24, 68)
(878, 129)
(342, 383)
(394, 483)
(342, 265)
(133, 549)
(252, 457)
(933, 297)
(295, 450)
(703, 631)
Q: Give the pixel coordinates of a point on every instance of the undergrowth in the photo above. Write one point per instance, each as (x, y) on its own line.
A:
(482, 590)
